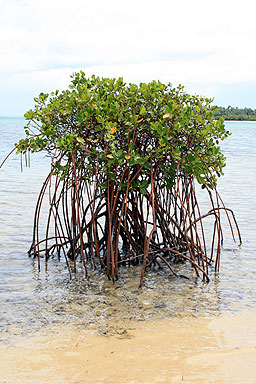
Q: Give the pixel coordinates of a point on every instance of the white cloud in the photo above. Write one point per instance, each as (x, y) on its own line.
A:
(196, 43)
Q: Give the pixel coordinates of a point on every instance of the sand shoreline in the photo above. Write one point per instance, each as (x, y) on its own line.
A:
(184, 350)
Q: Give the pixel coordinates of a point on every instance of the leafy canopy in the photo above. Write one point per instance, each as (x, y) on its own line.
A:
(111, 125)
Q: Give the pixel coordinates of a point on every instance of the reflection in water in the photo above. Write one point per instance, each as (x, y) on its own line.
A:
(30, 300)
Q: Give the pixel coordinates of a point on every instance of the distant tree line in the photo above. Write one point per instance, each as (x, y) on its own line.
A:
(231, 113)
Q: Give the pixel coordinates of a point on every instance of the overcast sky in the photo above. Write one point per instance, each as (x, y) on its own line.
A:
(209, 47)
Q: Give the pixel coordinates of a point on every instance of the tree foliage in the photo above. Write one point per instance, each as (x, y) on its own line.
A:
(118, 125)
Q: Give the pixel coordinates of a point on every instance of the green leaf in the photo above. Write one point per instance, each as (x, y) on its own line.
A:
(80, 140)
(170, 183)
(131, 146)
(163, 141)
(120, 154)
(112, 176)
(144, 184)
(140, 161)
(142, 111)
(176, 152)
(104, 185)
(143, 191)
(29, 115)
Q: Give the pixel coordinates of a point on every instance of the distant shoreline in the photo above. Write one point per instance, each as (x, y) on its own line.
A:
(235, 114)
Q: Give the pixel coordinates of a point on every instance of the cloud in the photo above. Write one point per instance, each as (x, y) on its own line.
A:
(195, 43)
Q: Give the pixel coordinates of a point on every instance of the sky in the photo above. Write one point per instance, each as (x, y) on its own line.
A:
(207, 46)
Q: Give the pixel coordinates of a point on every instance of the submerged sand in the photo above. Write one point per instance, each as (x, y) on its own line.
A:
(184, 350)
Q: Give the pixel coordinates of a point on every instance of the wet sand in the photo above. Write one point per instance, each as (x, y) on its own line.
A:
(182, 350)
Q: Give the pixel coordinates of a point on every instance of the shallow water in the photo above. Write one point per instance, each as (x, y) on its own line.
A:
(30, 300)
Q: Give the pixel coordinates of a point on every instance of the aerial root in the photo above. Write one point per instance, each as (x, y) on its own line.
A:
(112, 227)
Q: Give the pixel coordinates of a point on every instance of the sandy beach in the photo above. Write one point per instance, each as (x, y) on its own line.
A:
(182, 350)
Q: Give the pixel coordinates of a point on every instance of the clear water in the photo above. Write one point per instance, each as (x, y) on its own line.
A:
(30, 300)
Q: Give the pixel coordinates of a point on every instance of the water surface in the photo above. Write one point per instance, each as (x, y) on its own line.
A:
(30, 300)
